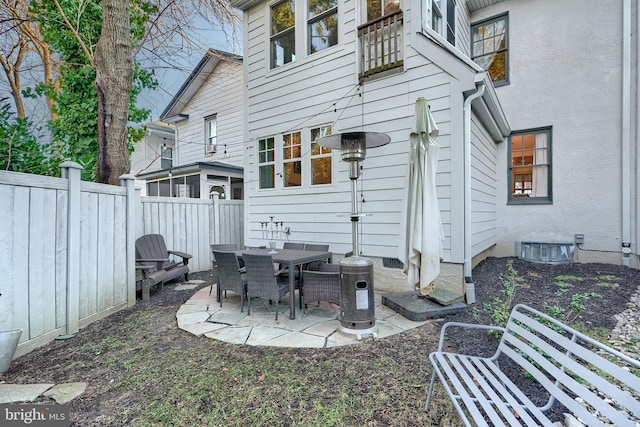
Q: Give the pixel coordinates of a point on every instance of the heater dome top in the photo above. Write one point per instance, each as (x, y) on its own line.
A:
(348, 140)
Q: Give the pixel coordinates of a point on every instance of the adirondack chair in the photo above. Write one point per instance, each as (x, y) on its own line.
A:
(152, 250)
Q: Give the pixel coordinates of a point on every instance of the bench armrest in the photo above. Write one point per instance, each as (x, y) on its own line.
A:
(183, 255)
(447, 325)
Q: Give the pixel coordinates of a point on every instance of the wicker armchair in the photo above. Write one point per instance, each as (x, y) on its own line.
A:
(315, 247)
(322, 285)
(214, 266)
(230, 278)
(262, 280)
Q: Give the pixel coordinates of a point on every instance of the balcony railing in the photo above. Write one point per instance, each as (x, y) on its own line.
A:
(381, 44)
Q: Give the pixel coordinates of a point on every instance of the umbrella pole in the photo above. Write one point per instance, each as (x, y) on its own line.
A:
(354, 172)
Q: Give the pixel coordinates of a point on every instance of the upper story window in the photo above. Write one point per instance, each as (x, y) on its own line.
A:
(320, 157)
(292, 159)
(166, 157)
(283, 33)
(266, 163)
(489, 48)
(323, 24)
(211, 131)
(378, 8)
(530, 167)
(441, 17)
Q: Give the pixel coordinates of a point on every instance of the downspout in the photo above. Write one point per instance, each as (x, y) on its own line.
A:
(637, 144)
(626, 133)
(467, 178)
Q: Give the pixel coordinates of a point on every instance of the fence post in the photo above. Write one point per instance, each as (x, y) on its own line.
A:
(71, 172)
(128, 181)
(216, 217)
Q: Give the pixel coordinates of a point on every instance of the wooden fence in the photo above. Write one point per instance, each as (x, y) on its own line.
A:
(67, 247)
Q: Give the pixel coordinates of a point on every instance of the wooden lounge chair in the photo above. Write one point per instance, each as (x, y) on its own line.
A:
(151, 250)
(146, 277)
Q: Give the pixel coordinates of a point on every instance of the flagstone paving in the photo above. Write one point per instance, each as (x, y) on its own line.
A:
(317, 327)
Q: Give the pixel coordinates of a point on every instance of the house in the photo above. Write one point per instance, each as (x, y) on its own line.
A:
(534, 102)
(206, 153)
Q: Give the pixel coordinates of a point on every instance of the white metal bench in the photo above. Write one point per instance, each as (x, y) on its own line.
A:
(567, 363)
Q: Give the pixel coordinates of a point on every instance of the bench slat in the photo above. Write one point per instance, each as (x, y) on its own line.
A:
(569, 362)
(492, 381)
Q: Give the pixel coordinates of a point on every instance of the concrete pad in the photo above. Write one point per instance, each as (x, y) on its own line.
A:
(190, 318)
(65, 393)
(415, 307)
(385, 329)
(261, 334)
(194, 282)
(233, 335)
(13, 393)
(193, 308)
(340, 338)
(184, 287)
(297, 339)
(323, 329)
(202, 328)
(402, 322)
(227, 318)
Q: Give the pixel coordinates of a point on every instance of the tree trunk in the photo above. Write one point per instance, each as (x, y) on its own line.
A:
(114, 77)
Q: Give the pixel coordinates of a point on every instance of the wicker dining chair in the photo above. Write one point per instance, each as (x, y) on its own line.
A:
(284, 268)
(321, 285)
(262, 279)
(230, 277)
(214, 266)
(315, 247)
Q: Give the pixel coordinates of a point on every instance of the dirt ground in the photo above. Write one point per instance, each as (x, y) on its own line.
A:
(91, 358)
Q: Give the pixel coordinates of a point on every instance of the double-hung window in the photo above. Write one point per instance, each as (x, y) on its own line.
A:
(530, 166)
(211, 131)
(320, 157)
(441, 17)
(323, 24)
(266, 163)
(292, 159)
(489, 48)
(283, 33)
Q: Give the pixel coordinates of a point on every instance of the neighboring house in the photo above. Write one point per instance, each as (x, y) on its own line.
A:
(207, 116)
(155, 151)
(539, 148)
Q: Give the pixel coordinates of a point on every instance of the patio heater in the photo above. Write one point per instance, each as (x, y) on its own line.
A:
(357, 307)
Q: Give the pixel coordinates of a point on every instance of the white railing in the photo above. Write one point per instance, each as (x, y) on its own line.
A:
(67, 247)
(381, 44)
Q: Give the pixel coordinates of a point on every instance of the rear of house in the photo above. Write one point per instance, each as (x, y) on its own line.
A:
(317, 67)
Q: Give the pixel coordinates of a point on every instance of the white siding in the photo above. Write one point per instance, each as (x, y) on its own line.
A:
(301, 95)
(220, 94)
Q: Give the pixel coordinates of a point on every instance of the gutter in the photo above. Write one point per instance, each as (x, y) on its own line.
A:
(480, 87)
(626, 133)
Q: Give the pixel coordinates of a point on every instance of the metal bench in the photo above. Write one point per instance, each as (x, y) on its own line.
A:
(565, 362)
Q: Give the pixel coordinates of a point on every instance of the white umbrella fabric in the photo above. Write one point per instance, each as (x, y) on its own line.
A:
(421, 232)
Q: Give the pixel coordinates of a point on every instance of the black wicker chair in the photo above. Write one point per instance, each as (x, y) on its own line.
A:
(230, 277)
(263, 281)
(321, 285)
(214, 266)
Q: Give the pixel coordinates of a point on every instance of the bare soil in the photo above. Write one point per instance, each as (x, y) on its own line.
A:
(392, 372)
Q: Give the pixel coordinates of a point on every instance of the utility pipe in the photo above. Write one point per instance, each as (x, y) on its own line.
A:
(467, 178)
(626, 133)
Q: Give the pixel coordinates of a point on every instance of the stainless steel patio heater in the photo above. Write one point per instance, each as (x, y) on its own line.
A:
(357, 306)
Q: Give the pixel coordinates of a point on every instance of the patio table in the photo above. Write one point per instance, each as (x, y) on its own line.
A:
(292, 258)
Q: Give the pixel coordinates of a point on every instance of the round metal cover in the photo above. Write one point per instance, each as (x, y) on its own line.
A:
(371, 139)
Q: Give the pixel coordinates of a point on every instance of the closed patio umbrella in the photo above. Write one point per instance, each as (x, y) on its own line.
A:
(421, 232)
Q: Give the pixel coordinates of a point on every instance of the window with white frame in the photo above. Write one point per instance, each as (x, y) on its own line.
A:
(266, 163)
(292, 159)
(211, 132)
(322, 18)
(441, 17)
(166, 157)
(283, 33)
(379, 8)
(489, 47)
(321, 172)
(530, 166)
